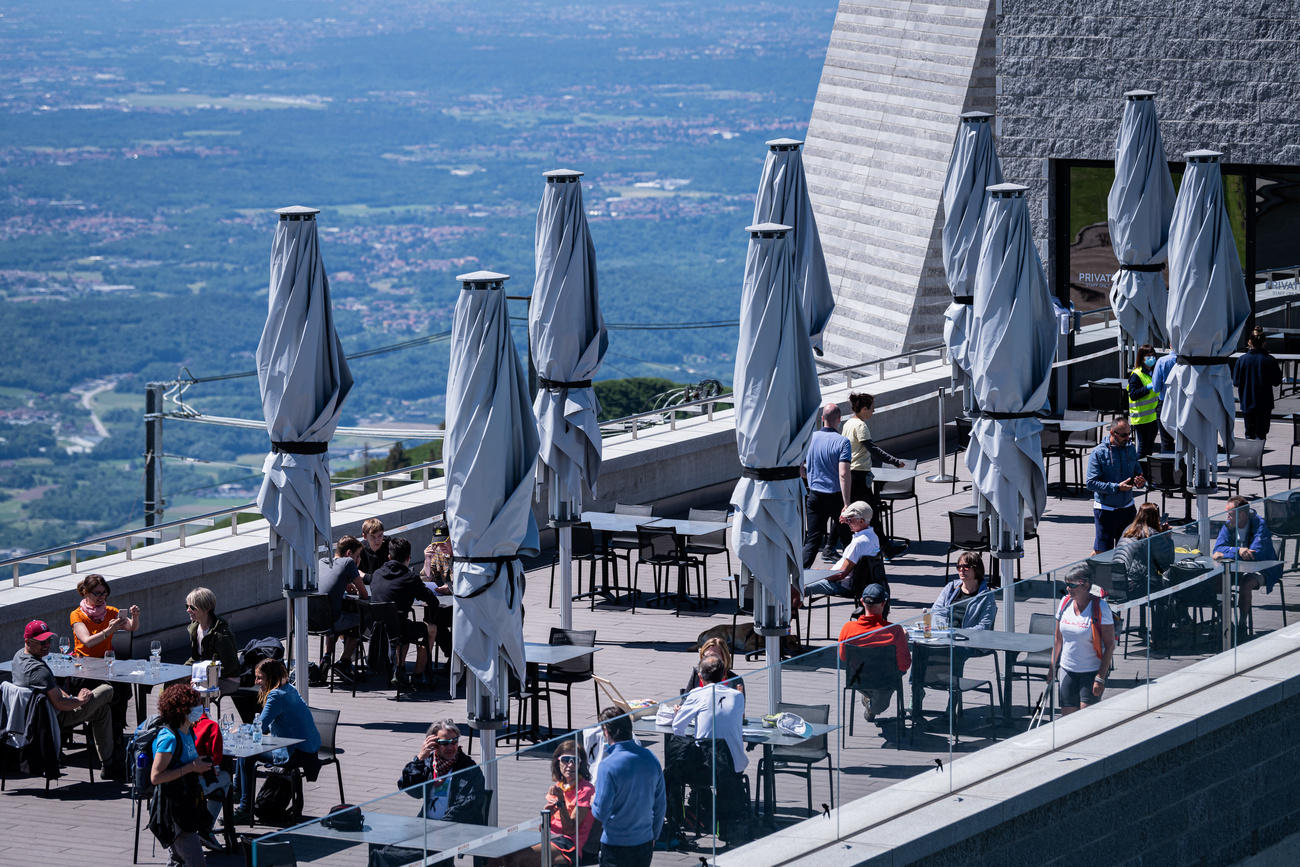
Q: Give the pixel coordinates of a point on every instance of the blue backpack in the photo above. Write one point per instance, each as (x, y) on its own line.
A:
(139, 756)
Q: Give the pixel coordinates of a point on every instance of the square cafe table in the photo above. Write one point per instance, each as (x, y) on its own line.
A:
(247, 750)
(1012, 644)
(536, 655)
(136, 672)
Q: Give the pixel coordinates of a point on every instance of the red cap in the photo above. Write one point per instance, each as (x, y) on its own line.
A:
(37, 631)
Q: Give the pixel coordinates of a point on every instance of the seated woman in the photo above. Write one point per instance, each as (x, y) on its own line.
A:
(1143, 552)
(211, 638)
(456, 791)
(176, 814)
(284, 715)
(715, 647)
(569, 802)
(966, 603)
(94, 623)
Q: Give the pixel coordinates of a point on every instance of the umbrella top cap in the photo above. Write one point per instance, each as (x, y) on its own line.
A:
(976, 116)
(1203, 156)
(1007, 191)
(297, 212)
(482, 280)
(767, 230)
(562, 176)
(784, 144)
(1139, 94)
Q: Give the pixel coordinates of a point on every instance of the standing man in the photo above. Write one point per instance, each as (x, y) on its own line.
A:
(1255, 375)
(630, 799)
(1113, 475)
(92, 706)
(1143, 401)
(1158, 378)
(864, 448)
(829, 485)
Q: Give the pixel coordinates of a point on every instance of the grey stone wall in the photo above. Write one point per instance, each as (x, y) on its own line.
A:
(1226, 75)
(1215, 799)
(896, 79)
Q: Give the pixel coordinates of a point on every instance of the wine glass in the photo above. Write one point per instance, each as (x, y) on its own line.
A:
(110, 656)
(155, 648)
(65, 644)
(228, 724)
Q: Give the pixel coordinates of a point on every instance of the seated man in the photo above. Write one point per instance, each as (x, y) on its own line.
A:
(1246, 537)
(714, 754)
(436, 575)
(456, 791)
(864, 543)
(395, 582)
(374, 553)
(335, 579)
(93, 706)
(871, 629)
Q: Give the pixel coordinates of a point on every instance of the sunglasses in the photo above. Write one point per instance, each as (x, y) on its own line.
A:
(446, 742)
(568, 760)
(1124, 437)
(98, 591)
(1073, 584)
(965, 567)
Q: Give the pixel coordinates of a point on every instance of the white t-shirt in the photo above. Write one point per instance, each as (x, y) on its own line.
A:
(1077, 653)
(863, 544)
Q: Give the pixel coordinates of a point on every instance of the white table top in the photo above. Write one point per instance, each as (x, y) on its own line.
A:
(987, 639)
(895, 474)
(269, 743)
(691, 528)
(136, 671)
(609, 522)
(536, 653)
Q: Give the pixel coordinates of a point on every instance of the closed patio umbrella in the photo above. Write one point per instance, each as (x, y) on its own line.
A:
(1208, 309)
(783, 199)
(1011, 365)
(777, 402)
(491, 457)
(1138, 208)
(568, 341)
(304, 379)
(972, 169)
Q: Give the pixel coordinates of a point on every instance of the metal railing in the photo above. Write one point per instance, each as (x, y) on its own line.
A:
(126, 539)
(909, 359)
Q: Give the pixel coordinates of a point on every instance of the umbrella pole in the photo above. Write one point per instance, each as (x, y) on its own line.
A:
(297, 645)
(566, 577)
(941, 477)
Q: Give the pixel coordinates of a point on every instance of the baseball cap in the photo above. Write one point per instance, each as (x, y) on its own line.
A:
(857, 509)
(440, 532)
(37, 631)
(875, 593)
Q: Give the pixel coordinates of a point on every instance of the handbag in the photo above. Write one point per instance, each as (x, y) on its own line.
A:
(344, 817)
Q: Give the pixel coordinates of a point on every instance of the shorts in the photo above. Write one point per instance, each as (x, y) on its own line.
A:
(1074, 689)
(414, 633)
(347, 623)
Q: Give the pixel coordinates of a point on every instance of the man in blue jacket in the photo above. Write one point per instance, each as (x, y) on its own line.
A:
(1246, 537)
(630, 800)
(1113, 475)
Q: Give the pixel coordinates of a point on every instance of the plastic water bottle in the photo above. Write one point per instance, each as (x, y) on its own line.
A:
(257, 735)
(155, 662)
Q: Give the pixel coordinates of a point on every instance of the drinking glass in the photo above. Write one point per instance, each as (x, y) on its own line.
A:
(64, 645)
(155, 648)
(227, 724)
(110, 656)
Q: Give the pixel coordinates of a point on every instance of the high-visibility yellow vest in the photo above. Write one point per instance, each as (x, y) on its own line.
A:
(1142, 410)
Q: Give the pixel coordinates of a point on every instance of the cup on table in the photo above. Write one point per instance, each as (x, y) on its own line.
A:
(110, 656)
(64, 646)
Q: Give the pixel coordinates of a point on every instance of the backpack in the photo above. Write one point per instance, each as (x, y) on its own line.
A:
(275, 799)
(139, 756)
(1095, 614)
(256, 651)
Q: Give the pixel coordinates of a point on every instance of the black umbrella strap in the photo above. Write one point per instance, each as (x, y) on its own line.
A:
(510, 577)
(1203, 360)
(1148, 268)
(300, 448)
(963, 299)
(769, 474)
(1004, 415)
(556, 384)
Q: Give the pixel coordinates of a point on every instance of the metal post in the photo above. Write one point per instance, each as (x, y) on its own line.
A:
(941, 476)
(488, 714)
(153, 421)
(546, 836)
(772, 621)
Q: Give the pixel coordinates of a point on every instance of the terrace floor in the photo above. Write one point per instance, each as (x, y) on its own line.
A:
(646, 655)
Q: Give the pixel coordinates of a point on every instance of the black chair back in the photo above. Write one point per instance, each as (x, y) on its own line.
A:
(811, 749)
(327, 724)
(1166, 474)
(874, 667)
(658, 544)
(963, 432)
(584, 541)
(583, 665)
(965, 531)
(900, 490)
(123, 643)
(320, 613)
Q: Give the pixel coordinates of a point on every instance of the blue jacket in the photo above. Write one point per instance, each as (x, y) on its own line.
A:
(286, 715)
(1258, 538)
(1160, 374)
(979, 612)
(630, 800)
(1107, 467)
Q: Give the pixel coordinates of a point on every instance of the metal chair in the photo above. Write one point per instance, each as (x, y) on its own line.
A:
(963, 426)
(1247, 463)
(1039, 624)
(585, 550)
(709, 544)
(277, 853)
(1283, 522)
(123, 644)
(563, 675)
(1052, 440)
(965, 533)
(1080, 442)
(380, 621)
(1169, 477)
(892, 492)
(327, 723)
(870, 668)
(1108, 396)
(623, 544)
(799, 759)
(945, 670)
(664, 550)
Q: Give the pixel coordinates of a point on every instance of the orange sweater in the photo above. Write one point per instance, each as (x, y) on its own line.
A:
(867, 631)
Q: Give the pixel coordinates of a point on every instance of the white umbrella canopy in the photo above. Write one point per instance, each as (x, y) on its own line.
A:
(1208, 309)
(569, 340)
(1139, 208)
(777, 402)
(972, 169)
(304, 379)
(491, 457)
(783, 199)
(1011, 365)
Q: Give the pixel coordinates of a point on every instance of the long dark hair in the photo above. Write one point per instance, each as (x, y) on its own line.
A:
(274, 676)
(976, 563)
(569, 748)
